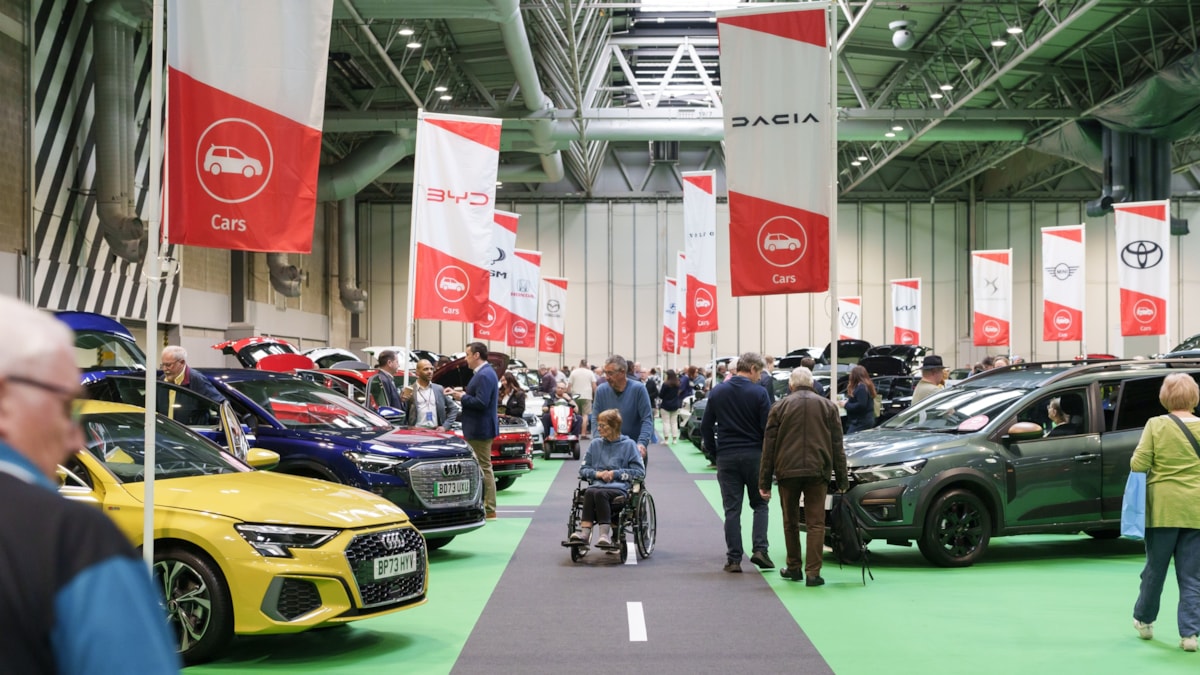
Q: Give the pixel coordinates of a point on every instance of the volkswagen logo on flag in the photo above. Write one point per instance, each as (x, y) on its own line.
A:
(452, 469)
(392, 540)
(849, 319)
(1141, 254)
(1062, 271)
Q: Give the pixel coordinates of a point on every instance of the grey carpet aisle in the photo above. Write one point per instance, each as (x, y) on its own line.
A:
(549, 615)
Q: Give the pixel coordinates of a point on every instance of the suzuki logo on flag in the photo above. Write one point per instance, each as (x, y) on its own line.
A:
(1141, 255)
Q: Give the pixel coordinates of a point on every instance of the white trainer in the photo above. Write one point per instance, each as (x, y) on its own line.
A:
(1145, 630)
(1188, 644)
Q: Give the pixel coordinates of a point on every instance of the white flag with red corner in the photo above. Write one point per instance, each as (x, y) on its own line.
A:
(245, 107)
(454, 195)
(850, 318)
(1063, 283)
(504, 241)
(779, 126)
(906, 311)
(669, 343)
(554, 315)
(1143, 248)
(523, 304)
(991, 289)
(685, 336)
(700, 237)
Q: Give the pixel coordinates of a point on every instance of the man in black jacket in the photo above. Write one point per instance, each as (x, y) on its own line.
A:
(802, 448)
(184, 409)
(739, 408)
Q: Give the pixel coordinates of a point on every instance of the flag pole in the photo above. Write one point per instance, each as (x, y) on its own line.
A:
(830, 37)
(153, 280)
(410, 325)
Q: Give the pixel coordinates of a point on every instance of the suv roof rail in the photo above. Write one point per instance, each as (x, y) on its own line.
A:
(1075, 368)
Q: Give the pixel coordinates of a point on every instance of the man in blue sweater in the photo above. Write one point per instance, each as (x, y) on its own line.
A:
(733, 427)
(628, 396)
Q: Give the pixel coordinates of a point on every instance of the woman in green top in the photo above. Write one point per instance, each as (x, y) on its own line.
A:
(1172, 465)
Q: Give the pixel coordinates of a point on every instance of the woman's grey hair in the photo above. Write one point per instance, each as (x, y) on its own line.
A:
(618, 361)
(800, 377)
(31, 338)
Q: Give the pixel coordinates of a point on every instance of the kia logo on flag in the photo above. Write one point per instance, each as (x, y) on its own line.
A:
(233, 163)
(552, 307)
(905, 308)
(1062, 319)
(782, 242)
(1141, 254)
(1144, 311)
(520, 330)
(1062, 271)
(849, 320)
(452, 284)
(991, 329)
(704, 302)
(490, 319)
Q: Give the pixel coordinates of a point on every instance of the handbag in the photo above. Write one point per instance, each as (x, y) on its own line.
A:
(877, 406)
(1133, 507)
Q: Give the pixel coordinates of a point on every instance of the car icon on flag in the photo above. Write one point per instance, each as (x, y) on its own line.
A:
(776, 241)
(451, 284)
(227, 159)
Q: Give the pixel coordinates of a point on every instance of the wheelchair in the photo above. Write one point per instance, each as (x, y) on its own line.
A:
(632, 514)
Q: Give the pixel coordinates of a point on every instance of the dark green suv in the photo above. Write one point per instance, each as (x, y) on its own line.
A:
(983, 459)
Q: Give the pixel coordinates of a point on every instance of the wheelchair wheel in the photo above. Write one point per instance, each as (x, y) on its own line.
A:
(624, 548)
(577, 553)
(645, 526)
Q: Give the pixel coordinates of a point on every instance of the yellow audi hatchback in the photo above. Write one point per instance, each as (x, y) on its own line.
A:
(239, 551)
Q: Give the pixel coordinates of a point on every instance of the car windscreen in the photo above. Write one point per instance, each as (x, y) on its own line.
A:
(950, 408)
(95, 350)
(305, 405)
(118, 440)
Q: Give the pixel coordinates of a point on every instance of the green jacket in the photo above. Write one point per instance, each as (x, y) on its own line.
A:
(1173, 473)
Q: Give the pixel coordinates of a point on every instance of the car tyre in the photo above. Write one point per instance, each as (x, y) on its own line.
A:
(957, 529)
(198, 604)
(435, 544)
(1102, 535)
(505, 482)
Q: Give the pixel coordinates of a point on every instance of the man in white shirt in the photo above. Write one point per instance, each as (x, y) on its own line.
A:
(425, 404)
(582, 385)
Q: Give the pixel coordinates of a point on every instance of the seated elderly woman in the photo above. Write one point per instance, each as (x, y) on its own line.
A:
(611, 465)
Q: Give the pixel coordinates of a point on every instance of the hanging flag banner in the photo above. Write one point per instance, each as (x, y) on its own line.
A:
(1143, 248)
(850, 318)
(669, 344)
(553, 318)
(454, 195)
(778, 103)
(906, 311)
(700, 247)
(1063, 287)
(991, 288)
(504, 241)
(245, 107)
(523, 303)
(685, 336)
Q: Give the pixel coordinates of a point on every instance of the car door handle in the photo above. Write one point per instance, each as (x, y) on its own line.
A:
(1085, 458)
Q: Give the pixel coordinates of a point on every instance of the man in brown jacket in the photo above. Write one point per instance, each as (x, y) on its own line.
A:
(802, 448)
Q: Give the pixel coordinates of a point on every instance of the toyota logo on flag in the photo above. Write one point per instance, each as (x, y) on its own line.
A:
(1141, 254)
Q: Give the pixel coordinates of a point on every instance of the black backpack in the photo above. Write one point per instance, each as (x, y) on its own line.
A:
(845, 537)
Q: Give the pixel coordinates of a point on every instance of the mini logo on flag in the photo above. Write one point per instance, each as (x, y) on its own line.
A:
(1062, 271)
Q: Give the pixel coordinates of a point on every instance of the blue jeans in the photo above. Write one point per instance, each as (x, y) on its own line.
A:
(1163, 544)
(737, 474)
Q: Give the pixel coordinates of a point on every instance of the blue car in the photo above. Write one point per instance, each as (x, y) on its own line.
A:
(320, 433)
(102, 346)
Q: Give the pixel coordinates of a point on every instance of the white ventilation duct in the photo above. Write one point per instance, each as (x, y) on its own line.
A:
(285, 278)
(353, 298)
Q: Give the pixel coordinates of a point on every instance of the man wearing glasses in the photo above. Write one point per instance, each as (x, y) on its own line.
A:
(74, 595)
(176, 371)
(629, 396)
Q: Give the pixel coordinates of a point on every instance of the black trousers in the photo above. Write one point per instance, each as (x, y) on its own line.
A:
(597, 504)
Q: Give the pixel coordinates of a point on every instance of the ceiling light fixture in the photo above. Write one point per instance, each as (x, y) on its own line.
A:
(1014, 30)
(405, 31)
(970, 65)
(413, 45)
(946, 87)
(999, 42)
(440, 88)
(936, 95)
(897, 127)
(862, 158)
(446, 97)
(856, 163)
(890, 134)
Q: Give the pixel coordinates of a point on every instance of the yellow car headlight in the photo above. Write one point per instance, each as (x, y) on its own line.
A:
(276, 541)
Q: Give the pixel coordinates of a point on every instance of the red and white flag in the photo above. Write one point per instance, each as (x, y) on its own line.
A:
(991, 286)
(850, 318)
(454, 200)
(685, 335)
(553, 316)
(1063, 287)
(523, 303)
(779, 126)
(1143, 248)
(906, 311)
(504, 241)
(700, 237)
(246, 85)
(669, 343)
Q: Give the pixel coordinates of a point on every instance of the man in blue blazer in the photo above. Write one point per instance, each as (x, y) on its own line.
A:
(480, 421)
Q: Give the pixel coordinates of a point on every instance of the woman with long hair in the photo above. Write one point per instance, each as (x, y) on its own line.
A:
(512, 396)
(860, 400)
(669, 408)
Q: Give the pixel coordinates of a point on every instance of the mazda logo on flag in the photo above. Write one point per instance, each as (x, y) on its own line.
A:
(552, 307)
(1141, 254)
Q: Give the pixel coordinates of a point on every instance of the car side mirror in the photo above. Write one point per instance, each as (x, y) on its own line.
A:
(1025, 431)
(262, 459)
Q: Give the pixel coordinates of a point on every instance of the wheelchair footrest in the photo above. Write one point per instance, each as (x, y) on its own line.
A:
(571, 544)
(614, 546)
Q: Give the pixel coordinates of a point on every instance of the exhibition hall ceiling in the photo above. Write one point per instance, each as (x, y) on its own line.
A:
(998, 99)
